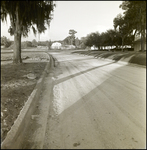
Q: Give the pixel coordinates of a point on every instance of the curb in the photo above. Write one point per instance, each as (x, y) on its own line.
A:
(37, 141)
(55, 61)
(15, 136)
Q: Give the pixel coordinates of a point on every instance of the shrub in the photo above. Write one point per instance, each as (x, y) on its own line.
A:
(6, 42)
(26, 44)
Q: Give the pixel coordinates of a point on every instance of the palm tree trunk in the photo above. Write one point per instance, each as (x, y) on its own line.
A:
(17, 40)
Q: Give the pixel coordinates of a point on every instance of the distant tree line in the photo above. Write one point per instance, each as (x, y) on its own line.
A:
(24, 44)
(126, 26)
(109, 38)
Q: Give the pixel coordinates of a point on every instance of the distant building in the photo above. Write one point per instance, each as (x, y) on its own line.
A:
(137, 43)
(56, 45)
(68, 47)
(93, 48)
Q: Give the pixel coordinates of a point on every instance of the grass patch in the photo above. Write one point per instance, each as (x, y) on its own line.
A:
(15, 90)
(139, 59)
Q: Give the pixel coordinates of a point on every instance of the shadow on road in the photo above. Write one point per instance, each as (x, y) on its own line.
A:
(82, 72)
(110, 108)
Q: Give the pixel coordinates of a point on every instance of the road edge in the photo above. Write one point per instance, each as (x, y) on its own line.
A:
(38, 136)
(14, 137)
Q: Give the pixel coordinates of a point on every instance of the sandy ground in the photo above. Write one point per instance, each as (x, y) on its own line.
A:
(96, 104)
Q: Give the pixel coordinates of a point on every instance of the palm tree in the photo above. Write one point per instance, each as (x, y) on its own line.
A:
(25, 15)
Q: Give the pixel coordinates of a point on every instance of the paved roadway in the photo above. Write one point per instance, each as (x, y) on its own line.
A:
(96, 104)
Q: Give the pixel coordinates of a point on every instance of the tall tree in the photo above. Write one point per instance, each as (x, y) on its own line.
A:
(123, 27)
(82, 42)
(49, 44)
(111, 35)
(25, 15)
(77, 42)
(135, 15)
(67, 40)
(72, 36)
(93, 39)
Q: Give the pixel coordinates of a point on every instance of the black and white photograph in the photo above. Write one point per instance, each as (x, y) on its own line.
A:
(73, 74)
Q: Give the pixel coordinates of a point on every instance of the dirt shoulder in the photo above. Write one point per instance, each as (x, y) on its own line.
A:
(16, 87)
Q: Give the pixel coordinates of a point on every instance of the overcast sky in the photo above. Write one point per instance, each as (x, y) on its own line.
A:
(82, 16)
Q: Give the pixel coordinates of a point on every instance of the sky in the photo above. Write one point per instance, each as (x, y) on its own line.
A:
(84, 17)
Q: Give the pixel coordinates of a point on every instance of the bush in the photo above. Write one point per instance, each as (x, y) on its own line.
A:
(34, 43)
(26, 44)
(11, 46)
(6, 42)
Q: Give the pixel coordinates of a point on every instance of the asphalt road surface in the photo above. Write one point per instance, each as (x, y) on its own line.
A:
(96, 104)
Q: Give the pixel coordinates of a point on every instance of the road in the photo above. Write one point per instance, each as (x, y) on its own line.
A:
(96, 104)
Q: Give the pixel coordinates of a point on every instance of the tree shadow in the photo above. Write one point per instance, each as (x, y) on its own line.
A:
(77, 74)
(105, 102)
(76, 59)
